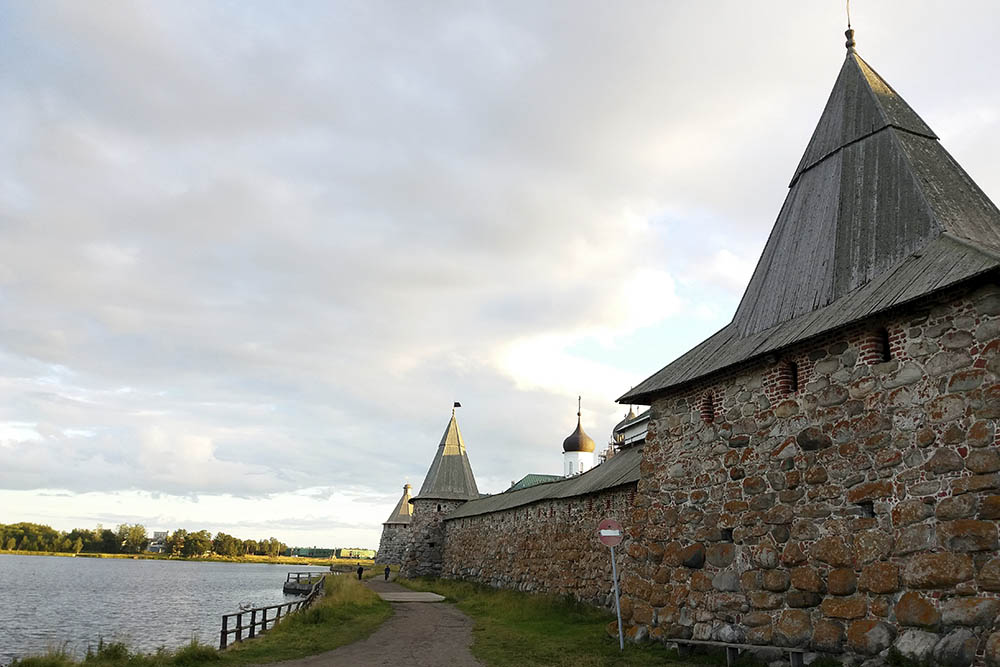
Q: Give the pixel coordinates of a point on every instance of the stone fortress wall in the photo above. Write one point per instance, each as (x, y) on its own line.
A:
(392, 545)
(545, 547)
(423, 556)
(855, 512)
(846, 508)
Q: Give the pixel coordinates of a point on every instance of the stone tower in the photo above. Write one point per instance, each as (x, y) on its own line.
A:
(396, 531)
(449, 483)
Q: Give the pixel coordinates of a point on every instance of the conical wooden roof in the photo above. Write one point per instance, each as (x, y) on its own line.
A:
(403, 512)
(450, 475)
(877, 214)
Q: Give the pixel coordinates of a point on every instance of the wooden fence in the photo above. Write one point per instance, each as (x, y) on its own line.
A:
(258, 618)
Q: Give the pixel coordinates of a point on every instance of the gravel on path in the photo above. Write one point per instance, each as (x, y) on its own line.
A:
(418, 634)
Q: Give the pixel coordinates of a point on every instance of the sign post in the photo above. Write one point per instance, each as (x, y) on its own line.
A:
(609, 532)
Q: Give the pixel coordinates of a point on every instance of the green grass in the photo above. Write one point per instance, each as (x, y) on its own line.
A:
(346, 613)
(515, 629)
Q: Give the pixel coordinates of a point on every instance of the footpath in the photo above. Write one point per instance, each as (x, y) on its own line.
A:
(419, 634)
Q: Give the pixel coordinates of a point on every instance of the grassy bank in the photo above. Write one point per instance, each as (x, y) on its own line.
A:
(347, 612)
(281, 560)
(516, 629)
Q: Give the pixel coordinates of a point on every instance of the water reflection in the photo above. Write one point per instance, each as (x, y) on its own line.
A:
(52, 602)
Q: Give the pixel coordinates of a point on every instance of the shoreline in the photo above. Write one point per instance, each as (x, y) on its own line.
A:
(277, 560)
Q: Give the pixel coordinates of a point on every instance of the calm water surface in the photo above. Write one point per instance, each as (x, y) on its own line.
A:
(50, 602)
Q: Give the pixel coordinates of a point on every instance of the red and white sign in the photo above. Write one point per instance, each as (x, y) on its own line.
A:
(610, 532)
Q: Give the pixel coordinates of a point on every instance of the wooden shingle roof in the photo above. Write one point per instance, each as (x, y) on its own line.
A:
(403, 512)
(877, 214)
(450, 475)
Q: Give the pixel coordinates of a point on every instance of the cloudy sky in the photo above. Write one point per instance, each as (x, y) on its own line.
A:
(251, 252)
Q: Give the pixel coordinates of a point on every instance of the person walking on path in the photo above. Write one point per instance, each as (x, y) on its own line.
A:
(361, 571)
(387, 573)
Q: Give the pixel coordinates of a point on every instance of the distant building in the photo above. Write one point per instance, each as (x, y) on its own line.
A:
(310, 552)
(578, 450)
(631, 430)
(532, 479)
(158, 543)
(355, 553)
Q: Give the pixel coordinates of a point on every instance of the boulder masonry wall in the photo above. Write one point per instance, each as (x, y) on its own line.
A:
(843, 497)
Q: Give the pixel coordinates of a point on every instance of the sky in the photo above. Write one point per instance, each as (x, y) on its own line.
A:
(251, 252)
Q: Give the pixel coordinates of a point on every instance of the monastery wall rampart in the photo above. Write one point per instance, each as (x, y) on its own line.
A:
(843, 495)
(424, 551)
(546, 547)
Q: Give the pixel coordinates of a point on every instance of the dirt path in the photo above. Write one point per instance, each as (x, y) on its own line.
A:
(419, 634)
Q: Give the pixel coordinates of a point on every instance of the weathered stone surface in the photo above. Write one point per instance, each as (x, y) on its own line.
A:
(766, 600)
(944, 460)
(975, 483)
(937, 570)
(793, 554)
(852, 607)
(775, 580)
(947, 362)
(982, 461)
(827, 636)
(968, 535)
(803, 599)
(970, 611)
(841, 581)
(919, 537)
(911, 511)
(956, 507)
(955, 649)
(836, 551)
(812, 438)
(727, 580)
(793, 628)
(915, 610)
(872, 545)
(721, 555)
(693, 556)
(807, 579)
(989, 576)
(916, 645)
(766, 557)
(869, 636)
(993, 650)
(870, 491)
(879, 578)
(990, 508)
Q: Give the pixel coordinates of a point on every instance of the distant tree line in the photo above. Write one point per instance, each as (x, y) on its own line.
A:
(131, 539)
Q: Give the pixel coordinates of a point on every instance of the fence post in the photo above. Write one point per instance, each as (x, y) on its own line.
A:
(253, 623)
(224, 635)
(239, 627)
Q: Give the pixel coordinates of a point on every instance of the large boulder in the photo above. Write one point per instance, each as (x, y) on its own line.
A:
(956, 649)
(916, 645)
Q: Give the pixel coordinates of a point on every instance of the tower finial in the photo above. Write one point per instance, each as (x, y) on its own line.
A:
(579, 399)
(850, 31)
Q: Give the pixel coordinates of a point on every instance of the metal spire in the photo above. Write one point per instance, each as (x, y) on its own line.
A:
(850, 32)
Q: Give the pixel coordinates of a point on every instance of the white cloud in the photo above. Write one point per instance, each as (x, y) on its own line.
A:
(245, 262)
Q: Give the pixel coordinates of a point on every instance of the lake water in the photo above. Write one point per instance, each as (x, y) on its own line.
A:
(50, 601)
